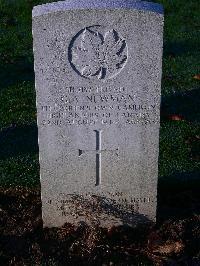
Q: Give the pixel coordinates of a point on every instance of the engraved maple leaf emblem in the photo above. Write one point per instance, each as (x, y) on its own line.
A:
(96, 54)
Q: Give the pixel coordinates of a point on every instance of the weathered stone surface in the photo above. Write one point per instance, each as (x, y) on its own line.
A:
(98, 79)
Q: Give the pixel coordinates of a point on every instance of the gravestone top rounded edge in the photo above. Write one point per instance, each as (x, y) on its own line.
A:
(95, 4)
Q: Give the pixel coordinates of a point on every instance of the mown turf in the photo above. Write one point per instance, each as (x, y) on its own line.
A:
(179, 140)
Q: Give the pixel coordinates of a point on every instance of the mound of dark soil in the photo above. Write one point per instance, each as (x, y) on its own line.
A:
(175, 240)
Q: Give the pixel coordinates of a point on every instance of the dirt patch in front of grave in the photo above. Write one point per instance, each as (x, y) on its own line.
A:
(175, 240)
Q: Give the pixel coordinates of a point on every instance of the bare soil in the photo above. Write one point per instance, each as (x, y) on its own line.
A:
(174, 240)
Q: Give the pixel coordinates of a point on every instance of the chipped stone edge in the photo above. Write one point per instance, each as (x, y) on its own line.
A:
(94, 4)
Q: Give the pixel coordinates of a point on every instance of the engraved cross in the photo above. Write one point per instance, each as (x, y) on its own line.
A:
(98, 152)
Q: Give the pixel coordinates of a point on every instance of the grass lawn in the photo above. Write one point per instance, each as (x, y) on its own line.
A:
(180, 114)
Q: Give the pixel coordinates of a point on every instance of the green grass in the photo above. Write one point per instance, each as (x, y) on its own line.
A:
(180, 92)
(176, 148)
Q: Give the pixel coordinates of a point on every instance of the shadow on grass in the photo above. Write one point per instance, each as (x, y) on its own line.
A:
(15, 141)
(15, 72)
(178, 196)
(180, 48)
(185, 104)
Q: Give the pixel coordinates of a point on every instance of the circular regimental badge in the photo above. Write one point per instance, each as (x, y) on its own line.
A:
(98, 53)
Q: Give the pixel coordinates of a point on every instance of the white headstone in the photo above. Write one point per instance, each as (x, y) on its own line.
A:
(98, 71)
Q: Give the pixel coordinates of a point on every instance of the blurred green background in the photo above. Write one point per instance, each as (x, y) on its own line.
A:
(180, 113)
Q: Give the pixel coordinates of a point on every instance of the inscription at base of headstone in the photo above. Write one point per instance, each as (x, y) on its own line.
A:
(98, 67)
